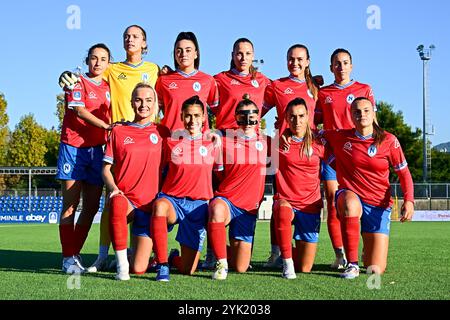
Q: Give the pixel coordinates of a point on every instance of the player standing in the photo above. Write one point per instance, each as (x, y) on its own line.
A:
(185, 193)
(333, 110)
(83, 134)
(240, 191)
(186, 81)
(363, 156)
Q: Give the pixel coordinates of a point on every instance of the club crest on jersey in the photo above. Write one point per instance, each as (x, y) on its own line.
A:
(350, 98)
(173, 85)
(310, 94)
(234, 82)
(328, 100)
(348, 146)
(197, 86)
(372, 151)
(258, 145)
(288, 91)
(145, 77)
(255, 83)
(128, 140)
(77, 95)
(154, 138)
(108, 96)
(67, 168)
(203, 151)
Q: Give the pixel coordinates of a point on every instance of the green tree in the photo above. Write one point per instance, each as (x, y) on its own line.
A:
(60, 110)
(440, 166)
(52, 138)
(4, 130)
(27, 147)
(410, 141)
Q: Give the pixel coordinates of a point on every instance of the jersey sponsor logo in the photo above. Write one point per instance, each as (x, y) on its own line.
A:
(172, 86)
(203, 151)
(310, 94)
(77, 86)
(67, 167)
(328, 100)
(372, 151)
(177, 151)
(259, 146)
(197, 86)
(255, 83)
(77, 95)
(145, 77)
(371, 93)
(288, 91)
(348, 146)
(122, 76)
(128, 140)
(92, 95)
(396, 144)
(154, 138)
(234, 82)
(350, 98)
(108, 96)
(237, 145)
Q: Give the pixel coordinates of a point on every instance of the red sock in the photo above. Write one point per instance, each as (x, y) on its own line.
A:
(67, 237)
(118, 227)
(334, 227)
(273, 236)
(350, 232)
(283, 230)
(159, 235)
(218, 239)
(80, 233)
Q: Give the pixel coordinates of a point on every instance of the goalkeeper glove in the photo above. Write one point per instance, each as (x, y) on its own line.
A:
(68, 80)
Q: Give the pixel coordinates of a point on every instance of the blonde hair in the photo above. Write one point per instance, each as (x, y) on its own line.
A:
(142, 85)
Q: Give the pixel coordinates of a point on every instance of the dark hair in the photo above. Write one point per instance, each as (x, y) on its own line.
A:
(191, 101)
(310, 82)
(309, 137)
(378, 133)
(244, 103)
(101, 46)
(187, 35)
(252, 69)
(145, 49)
(340, 50)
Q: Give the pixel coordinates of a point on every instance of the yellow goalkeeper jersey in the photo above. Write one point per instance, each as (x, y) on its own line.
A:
(122, 78)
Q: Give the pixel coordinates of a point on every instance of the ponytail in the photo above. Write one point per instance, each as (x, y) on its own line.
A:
(378, 134)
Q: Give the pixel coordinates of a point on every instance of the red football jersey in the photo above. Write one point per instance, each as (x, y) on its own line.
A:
(283, 91)
(191, 162)
(93, 96)
(363, 167)
(136, 152)
(243, 178)
(298, 177)
(232, 87)
(176, 87)
(333, 104)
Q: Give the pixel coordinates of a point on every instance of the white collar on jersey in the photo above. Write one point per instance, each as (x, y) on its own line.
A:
(240, 134)
(196, 137)
(345, 85)
(295, 139)
(133, 65)
(241, 74)
(296, 79)
(140, 126)
(360, 136)
(187, 75)
(97, 83)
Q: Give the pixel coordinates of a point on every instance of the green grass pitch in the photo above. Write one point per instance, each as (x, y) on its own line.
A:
(418, 268)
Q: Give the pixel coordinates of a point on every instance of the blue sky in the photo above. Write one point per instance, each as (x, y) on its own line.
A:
(37, 44)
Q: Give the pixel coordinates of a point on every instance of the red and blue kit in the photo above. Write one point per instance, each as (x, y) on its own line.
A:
(136, 152)
(334, 101)
(243, 177)
(191, 162)
(176, 87)
(232, 87)
(283, 91)
(294, 167)
(363, 167)
(95, 97)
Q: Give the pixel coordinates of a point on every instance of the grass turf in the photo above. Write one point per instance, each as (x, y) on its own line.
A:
(418, 268)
